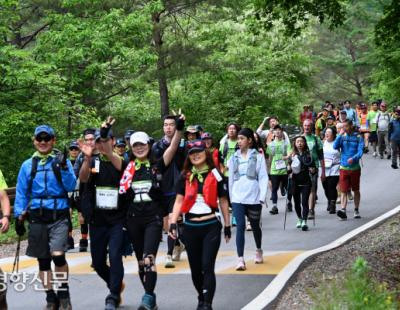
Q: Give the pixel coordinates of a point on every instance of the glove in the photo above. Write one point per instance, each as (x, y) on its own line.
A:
(104, 131)
(20, 228)
(180, 123)
(227, 232)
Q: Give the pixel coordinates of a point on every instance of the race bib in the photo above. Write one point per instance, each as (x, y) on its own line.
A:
(280, 164)
(328, 162)
(141, 190)
(106, 198)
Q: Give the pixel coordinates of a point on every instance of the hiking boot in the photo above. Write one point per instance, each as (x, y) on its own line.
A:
(71, 244)
(177, 252)
(168, 262)
(259, 257)
(65, 304)
(148, 302)
(83, 245)
(289, 207)
(357, 214)
(304, 226)
(342, 214)
(394, 166)
(299, 221)
(311, 215)
(274, 210)
(241, 266)
(332, 207)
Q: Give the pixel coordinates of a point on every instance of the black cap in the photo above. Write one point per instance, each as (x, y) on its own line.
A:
(120, 142)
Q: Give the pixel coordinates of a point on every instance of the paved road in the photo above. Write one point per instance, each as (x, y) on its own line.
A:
(234, 290)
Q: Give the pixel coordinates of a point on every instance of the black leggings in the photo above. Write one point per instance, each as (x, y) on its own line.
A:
(276, 181)
(330, 184)
(202, 245)
(144, 233)
(301, 193)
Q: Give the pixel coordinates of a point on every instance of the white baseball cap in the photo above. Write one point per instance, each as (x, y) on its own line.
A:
(139, 137)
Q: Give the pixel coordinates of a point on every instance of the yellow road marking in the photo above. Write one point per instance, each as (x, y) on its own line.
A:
(272, 265)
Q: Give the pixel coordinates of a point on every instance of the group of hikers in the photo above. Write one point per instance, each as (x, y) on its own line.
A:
(129, 191)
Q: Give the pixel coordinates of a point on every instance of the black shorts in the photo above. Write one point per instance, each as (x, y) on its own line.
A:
(44, 239)
(373, 137)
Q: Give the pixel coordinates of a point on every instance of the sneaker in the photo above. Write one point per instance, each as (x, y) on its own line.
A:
(311, 215)
(342, 214)
(374, 154)
(83, 245)
(304, 226)
(357, 214)
(65, 304)
(177, 252)
(168, 262)
(259, 257)
(148, 302)
(290, 207)
(274, 210)
(241, 266)
(298, 225)
(350, 196)
(395, 167)
(71, 244)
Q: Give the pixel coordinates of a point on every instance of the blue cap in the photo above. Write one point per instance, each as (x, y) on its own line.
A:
(73, 144)
(44, 129)
(120, 142)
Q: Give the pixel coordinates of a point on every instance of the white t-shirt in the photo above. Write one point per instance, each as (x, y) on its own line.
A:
(332, 159)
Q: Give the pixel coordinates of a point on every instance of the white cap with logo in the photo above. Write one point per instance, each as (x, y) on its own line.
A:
(139, 137)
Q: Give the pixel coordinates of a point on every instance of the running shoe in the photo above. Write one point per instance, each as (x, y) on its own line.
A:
(374, 154)
(311, 215)
(148, 302)
(241, 266)
(274, 210)
(259, 257)
(177, 252)
(168, 262)
(342, 214)
(65, 304)
(357, 214)
(299, 221)
(304, 226)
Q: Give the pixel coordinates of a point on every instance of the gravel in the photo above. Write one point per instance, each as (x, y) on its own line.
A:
(379, 246)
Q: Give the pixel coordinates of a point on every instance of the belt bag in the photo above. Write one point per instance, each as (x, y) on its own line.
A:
(106, 198)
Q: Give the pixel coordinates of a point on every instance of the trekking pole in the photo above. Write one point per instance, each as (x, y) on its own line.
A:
(287, 201)
(16, 258)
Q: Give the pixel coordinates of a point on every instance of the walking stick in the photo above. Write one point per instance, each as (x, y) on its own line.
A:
(16, 259)
(287, 200)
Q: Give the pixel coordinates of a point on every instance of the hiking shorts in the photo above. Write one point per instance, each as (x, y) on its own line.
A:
(44, 239)
(373, 137)
(349, 180)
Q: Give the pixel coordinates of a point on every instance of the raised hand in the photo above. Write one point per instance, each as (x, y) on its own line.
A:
(86, 149)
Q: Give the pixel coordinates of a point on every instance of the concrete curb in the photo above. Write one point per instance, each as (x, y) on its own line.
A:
(273, 290)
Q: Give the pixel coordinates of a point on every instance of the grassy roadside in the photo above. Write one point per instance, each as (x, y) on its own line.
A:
(361, 274)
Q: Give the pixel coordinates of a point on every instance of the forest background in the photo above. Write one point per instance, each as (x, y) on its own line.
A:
(70, 63)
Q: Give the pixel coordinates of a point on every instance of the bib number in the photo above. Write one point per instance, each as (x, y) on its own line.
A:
(141, 190)
(106, 198)
(280, 164)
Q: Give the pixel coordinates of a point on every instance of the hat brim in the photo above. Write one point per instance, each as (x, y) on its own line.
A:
(142, 141)
(196, 150)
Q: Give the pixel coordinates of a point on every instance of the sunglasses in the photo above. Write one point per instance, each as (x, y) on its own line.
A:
(44, 138)
(197, 143)
(74, 149)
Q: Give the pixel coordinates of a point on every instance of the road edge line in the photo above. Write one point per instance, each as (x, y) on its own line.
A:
(275, 288)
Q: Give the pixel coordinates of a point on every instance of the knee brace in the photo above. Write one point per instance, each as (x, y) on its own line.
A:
(44, 264)
(59, 260)
(148, 263)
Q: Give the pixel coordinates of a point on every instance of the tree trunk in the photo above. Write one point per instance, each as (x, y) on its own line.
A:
(161, 69)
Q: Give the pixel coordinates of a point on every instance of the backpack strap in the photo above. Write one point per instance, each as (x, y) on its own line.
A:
(35, 163)
(225, 150)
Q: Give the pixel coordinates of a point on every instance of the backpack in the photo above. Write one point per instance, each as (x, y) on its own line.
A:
(226, 149)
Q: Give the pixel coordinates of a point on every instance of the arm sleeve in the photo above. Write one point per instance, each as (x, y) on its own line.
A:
(180, 185)
(68, 177)
(262, 178)
(222, 190)
(21, 195)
